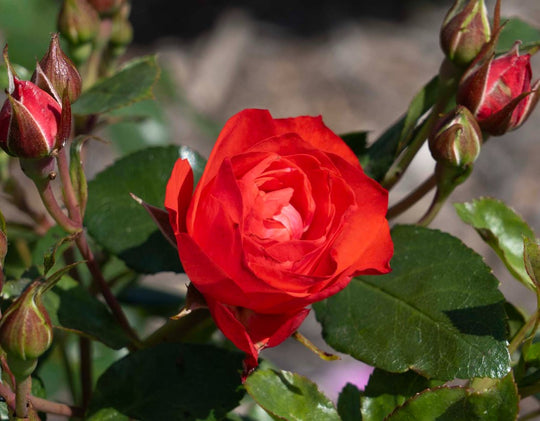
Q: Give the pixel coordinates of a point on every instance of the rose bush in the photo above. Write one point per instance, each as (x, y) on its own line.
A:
(282, 216)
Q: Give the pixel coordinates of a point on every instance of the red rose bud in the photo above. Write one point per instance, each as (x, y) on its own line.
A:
(457, 138)
(498, 91)
(25, 330)
(106, 7)
(282, 217)
(56, 73)
(78, 22)
(29, 121)
(464, 31)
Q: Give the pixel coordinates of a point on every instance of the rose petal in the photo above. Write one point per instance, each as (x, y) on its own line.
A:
(178, 195)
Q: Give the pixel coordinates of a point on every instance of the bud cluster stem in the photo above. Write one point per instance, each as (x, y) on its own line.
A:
(448, 82)
(413, 197)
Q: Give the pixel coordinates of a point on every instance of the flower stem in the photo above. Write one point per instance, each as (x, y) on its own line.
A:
(52, 206)
(396, 172)
(103, 286)
(42, 405)
(412, 198)
(22, 391)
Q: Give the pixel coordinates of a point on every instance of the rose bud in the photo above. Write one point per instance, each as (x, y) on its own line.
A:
(25, 331)
(464, 31)
(283, 216)
(457, 138)
(78, 22)
(106, 7)
(29, 121)
(56, 73)
(498, 91)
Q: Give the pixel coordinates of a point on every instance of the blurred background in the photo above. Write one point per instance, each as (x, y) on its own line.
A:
(356, 63)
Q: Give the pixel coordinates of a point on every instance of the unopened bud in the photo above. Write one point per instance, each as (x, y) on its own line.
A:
(499, 92)
(457, 139)
(106, 7)
(464, 31)
(25, 331)
(78, 22)
(29, 121)
(56, 73)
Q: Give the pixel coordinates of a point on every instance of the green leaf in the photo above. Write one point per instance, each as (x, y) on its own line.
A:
(503, 229)
(108, 414)
(532, 260)
(138, 126)
(381, 155)
(438, 312)
(516, 29)
(26, 26)
(72, 308)
(497, 403)
(348, 405)
(171, 382)
(120, 224)
(386, 391)
(289, 396)
(357, 141)
(132, 83)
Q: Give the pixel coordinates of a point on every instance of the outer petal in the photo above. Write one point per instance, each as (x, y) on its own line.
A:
(313, 130)
(178, 195)
(251, 332)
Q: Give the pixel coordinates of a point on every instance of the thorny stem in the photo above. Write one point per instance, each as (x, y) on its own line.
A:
(48, 199)
(42, 405)
(22, 391)
(412, 198)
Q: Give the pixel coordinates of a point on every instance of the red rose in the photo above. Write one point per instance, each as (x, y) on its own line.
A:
(29, 121)
(283, 216)
(498, 91)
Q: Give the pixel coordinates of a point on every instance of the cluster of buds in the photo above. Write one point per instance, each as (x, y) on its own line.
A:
(79, 23)
(25, 331)
(497, 90)
(35, 119)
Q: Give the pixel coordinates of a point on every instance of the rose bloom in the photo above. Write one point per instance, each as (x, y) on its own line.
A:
(282, 216)
(498, 91)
